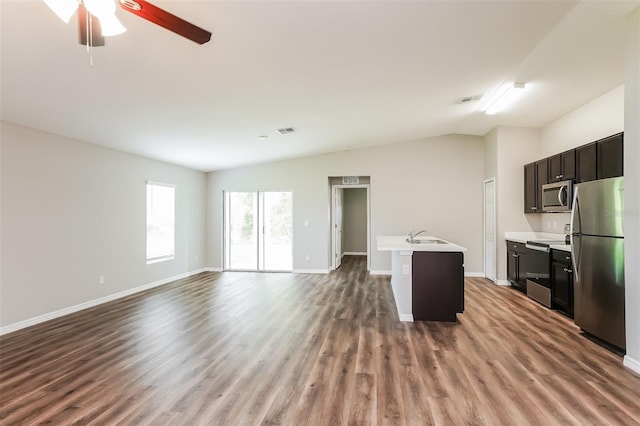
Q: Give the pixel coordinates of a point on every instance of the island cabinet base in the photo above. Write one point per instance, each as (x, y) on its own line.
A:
(437, 285)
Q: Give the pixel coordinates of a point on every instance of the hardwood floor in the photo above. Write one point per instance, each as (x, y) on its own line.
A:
(294, 349)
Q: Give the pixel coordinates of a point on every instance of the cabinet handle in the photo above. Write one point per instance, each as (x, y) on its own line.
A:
(559, 176)
(514, 255)
(534, 208)
(568, 270)
(567, 258)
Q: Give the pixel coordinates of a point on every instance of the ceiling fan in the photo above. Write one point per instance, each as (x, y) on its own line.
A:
(97, 19)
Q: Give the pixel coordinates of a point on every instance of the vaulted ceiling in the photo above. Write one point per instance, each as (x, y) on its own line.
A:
(343, 74)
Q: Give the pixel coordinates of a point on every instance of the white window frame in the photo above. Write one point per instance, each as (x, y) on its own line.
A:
(169, 225)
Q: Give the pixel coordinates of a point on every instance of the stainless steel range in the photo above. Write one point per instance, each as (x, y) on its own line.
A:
(538, 267)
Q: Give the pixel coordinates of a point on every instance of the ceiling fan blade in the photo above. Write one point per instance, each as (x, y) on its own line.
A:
(93, 38)
(166, 20)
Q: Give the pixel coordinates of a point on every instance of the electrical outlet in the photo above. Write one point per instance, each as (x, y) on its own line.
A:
(306, 223)
(405, 270)
(101, 279)
(307, 258)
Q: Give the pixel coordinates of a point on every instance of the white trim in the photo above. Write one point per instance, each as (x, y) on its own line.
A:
(212, 269)
(484, 229)
(91, 303)
(379, 272)
(354, 253)
(153, 182)
(475, 275)
(631, 364)
(503, 282)
(406, 317)
(310, 271)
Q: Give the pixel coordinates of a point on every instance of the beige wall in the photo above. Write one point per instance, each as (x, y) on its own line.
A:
(602, 117)
(354, 220)
(72, 211)
(632, 189)
(433, 184)
(506, 150)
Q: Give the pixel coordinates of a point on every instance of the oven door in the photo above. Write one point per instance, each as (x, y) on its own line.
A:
(538, 274)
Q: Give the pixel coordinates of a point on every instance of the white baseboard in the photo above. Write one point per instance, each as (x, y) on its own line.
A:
(379, 272)
(474, 274)
(354, 253)
(503, 282)
(631, 364)
(212, 269)
(310, 271)
(91, 303)
(406, 317)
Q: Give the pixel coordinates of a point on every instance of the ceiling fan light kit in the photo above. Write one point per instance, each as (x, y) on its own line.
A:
(110, 25)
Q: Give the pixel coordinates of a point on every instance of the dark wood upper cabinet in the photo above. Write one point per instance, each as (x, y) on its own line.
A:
(597, 160)
(610, 157)
(542, 178)
(586, 163)
(530, 202)
(562, 166)
(535, 175)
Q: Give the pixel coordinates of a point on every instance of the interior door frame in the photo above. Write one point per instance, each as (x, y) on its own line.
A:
(484, 229)
(334, 188)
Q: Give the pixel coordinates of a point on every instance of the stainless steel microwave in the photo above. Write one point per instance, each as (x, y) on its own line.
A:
(557, 197)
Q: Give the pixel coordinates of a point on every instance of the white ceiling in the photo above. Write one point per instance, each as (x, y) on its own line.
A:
(344, 74)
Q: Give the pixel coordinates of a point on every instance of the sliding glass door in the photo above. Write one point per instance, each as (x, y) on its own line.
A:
(258, 231)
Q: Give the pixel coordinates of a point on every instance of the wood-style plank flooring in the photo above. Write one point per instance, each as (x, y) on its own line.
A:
(293, 349)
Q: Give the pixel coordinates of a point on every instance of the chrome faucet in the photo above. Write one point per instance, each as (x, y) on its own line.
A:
(412, 236)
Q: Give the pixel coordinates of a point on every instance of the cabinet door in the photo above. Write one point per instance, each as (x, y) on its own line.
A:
(609, 157)
(542, 178)
(437, 288)
(555, 168)
(562, 286)
(512, 266)
(586, 163)
(568, 165)
(530, 205)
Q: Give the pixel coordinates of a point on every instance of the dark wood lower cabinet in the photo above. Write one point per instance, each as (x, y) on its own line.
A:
(562, 282)
(437, 285)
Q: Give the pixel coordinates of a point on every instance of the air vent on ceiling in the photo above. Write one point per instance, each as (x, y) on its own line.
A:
(286, 130)
(470, 99)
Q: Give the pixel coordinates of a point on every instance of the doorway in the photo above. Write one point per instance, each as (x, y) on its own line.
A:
(258, 231)
(490, 229)
(350, 222)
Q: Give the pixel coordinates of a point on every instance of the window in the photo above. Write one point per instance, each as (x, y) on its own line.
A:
(160, 222)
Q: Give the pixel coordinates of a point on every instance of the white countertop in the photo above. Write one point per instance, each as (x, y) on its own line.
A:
(399, 243)
(523, 237)
(563, 247)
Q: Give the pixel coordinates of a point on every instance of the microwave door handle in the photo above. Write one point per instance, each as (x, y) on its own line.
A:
(562, 202)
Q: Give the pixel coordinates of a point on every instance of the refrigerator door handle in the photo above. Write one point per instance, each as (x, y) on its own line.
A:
(575, 232)
(575, 214)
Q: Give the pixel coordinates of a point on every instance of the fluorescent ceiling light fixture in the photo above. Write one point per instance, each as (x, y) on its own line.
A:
(63, 8)
(504, 96)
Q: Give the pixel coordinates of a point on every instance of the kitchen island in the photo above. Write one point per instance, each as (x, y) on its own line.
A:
(427, 277)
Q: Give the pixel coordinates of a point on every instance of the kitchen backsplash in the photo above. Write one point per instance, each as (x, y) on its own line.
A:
(554, 222)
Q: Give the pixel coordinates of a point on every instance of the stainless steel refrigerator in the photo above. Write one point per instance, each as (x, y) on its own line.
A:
(597, 248)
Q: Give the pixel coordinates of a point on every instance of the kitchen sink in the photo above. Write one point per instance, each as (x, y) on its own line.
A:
(421, 241)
